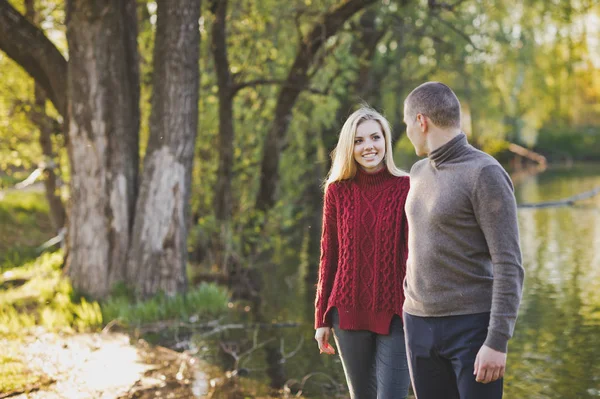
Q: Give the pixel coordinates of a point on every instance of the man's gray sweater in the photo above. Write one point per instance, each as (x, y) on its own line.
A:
(463, 244)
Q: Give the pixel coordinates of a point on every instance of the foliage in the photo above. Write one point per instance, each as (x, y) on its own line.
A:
(205, 300)
(19, 147)
(517, 69)
(564, 142)
(44, 299)
(494, 146)
(25, 226)
(527, 73)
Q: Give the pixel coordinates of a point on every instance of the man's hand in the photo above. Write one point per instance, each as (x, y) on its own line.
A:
(322, 338)
(489, 365)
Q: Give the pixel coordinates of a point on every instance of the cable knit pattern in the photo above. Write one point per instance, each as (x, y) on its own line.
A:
(363, 252)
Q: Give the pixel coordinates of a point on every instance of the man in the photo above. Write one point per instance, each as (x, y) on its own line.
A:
(464, 274)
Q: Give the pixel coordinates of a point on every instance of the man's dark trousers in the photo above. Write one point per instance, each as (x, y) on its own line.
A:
(441, 353)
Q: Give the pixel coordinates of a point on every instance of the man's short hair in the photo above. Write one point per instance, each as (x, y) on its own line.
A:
(436, 101)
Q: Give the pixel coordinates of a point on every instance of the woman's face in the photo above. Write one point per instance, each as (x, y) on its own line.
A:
(369, 146)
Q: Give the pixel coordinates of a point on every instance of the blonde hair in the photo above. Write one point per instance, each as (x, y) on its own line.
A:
(343, 165)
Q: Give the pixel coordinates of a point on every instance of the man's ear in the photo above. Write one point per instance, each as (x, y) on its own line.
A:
(422, 120)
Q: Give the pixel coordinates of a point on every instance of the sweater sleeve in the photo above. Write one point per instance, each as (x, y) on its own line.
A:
(329, 257)
(496, 211)
(405, 229)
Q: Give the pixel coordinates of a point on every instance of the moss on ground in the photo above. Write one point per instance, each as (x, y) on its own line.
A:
(25, 226)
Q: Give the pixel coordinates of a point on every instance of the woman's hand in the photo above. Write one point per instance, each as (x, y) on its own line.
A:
(322, 338)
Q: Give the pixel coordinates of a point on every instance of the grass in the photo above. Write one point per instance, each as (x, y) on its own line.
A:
(202, 301)
(14, 375)
(45, 299)
(42, 298)
(35, 295)
(25, 226)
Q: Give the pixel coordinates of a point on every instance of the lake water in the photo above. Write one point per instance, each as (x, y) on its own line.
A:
(555, 351)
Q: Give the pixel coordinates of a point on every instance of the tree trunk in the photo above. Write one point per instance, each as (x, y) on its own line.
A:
(58, 215)
(158, 253)
(223, 200)
(32, 50)
(297, 80)
(313, 200)
(223, 196)
(45, 125)
(103, 82)
(362, 49)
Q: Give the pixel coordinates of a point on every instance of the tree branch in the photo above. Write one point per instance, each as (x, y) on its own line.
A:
(219, 46)
(298, 27)
(460, 33)
(563, 202)
(433, 4)
(284, 83)
(297, 79)
(34, 52)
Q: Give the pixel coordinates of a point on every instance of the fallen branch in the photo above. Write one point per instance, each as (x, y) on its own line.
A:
(59, 238)
(11, 283)
(232, 349)
(28, 389)
(32, 178)
(213, 325)
(287, 386)
(565, 202)
(8, 280)
(286, 356)
(528, 154)
(248, 327)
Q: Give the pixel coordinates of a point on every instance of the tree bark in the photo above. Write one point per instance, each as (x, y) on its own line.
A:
(223, 201)
(158, 252)
(34, 52)
(103, 82)
(46, 127)
(297, 80)
(223, 196)
(313, 206)
(58, 214)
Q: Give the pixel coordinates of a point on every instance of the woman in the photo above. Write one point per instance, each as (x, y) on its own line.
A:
(363, 260)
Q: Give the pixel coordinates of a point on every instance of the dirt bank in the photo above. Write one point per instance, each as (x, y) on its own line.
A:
(105, 366)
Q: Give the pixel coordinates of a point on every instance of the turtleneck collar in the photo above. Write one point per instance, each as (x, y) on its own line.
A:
(452, 149)
(372, 180)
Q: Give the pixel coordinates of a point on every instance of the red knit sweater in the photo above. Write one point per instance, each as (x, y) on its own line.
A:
(363, 252)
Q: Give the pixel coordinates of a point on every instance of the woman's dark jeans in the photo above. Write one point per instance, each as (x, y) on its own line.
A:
(375, 365)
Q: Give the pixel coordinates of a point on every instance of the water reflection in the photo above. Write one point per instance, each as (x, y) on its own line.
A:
(556, 348)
